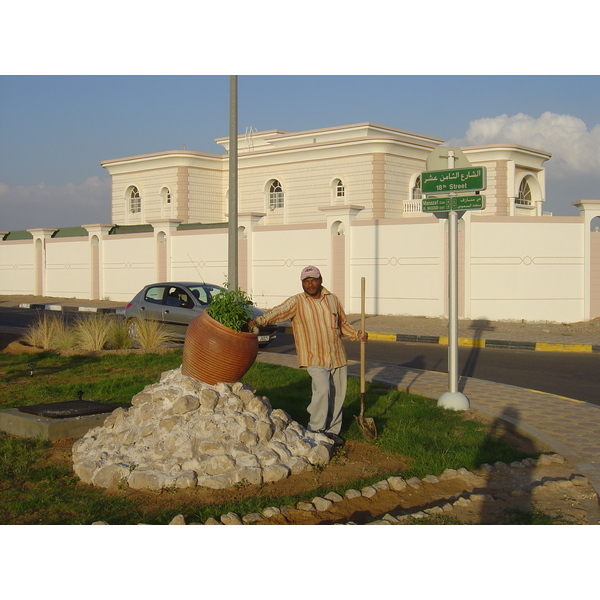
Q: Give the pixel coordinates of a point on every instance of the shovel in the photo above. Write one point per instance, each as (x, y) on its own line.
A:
(366, 424)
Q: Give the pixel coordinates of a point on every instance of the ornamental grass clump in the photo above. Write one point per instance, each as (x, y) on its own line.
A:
(232, 308)
(150, 334)
(47, 332)
(92, 332)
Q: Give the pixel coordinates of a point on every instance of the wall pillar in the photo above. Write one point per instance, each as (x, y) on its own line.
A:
(39, 260)
(246, 224)
(163, 231)
(588, 209)
(96, 235)
(338, 227)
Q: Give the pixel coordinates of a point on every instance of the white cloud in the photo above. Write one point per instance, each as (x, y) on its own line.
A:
(55, 206)
(574, 149)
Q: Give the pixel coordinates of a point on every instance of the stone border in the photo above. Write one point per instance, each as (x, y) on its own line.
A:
(395, 483)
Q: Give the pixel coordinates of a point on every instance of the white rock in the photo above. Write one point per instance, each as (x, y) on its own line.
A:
(231, 519)
(274, 473)
(321, 504)
(382, 485)
(396, 483)
(431, 479)
(368, 491)
(351, 494)
(253, 518)
(181, 432)
(110, 475)
(449, 474)
(434, 510)
(334, 497)
(146, 480)
(178, 520)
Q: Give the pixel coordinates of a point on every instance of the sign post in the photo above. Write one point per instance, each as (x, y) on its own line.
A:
(451, 181)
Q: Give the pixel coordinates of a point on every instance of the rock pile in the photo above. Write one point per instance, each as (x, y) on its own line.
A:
(181, 433)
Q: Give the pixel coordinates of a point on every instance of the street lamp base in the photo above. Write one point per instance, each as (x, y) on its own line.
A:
(454, 401)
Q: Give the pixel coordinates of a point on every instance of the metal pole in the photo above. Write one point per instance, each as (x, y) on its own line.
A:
(232, 262)
(453, 399)
(452, 302)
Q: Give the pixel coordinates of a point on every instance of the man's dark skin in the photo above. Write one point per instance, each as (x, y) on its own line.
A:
(313, 286)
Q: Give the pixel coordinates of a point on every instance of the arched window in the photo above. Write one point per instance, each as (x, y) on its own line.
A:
(414, 202)
(340, 190)
(275, 195)
(165, 194)
(416, 193)
(524, 197)
(135, 202)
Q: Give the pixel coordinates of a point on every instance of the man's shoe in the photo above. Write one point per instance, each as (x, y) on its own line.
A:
(335, 438)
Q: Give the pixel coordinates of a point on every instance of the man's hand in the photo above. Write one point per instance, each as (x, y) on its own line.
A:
(363, 336)
(252, 326)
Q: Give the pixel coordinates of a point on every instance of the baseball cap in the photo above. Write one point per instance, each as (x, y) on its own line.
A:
(310, 271)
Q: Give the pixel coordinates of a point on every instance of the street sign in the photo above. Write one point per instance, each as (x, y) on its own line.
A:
(475, 202)
(436, 204)
(453, 180)
(438, 159)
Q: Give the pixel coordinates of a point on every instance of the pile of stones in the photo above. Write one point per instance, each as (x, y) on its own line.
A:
(181, 432)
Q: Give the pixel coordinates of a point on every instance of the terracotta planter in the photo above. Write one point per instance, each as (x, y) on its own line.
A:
(213, 353)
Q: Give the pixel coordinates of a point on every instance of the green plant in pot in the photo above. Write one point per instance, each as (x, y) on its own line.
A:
(232, 308)
(218, 346)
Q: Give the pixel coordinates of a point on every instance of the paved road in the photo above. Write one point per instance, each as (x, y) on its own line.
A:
(574, 375)
(570, 375)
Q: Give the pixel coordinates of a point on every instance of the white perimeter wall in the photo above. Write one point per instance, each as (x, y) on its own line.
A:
(526, 271)
(532, 270)
(68, 272)
(17, 267)
(129, 263)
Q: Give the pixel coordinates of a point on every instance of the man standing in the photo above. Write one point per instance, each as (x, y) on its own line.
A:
(319, 323)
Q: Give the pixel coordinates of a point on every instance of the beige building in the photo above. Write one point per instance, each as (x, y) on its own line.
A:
(292, 178)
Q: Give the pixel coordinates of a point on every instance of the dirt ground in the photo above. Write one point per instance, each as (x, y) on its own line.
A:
(550, 486)
(490, 495)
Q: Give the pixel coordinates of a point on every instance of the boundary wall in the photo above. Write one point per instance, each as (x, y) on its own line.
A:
(511, 268)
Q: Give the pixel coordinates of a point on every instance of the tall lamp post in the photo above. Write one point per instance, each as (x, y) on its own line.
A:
(232, 262)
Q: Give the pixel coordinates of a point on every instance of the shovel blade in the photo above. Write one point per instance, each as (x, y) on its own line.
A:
(367, 427)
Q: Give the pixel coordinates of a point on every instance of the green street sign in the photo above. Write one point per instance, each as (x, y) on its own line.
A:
(476, 202)
(436, 204)
(453, 180)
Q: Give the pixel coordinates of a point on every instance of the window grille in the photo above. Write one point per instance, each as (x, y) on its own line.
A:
(524, 197)
(135, 202)
(275, 195)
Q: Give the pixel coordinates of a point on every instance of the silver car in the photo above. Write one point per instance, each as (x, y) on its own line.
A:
(176, 303)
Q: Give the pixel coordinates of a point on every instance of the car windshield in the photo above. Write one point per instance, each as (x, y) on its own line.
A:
(205, 293)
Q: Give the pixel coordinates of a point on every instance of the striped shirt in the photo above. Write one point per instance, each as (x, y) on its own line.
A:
(318, 327)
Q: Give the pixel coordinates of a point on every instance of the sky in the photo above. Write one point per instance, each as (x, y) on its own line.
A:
(72, 97)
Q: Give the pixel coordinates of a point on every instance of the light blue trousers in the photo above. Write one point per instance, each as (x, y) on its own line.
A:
(328, 395)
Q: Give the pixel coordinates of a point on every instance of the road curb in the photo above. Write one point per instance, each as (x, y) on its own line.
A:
(387, 337)
(60, 308)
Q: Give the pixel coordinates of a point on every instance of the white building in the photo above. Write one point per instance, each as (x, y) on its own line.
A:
(292, 177)
(346, 199)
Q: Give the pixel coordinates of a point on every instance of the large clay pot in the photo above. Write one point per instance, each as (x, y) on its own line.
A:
(213, 353)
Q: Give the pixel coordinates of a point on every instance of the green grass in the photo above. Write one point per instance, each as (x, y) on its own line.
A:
(35, 490)
(112, 379)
